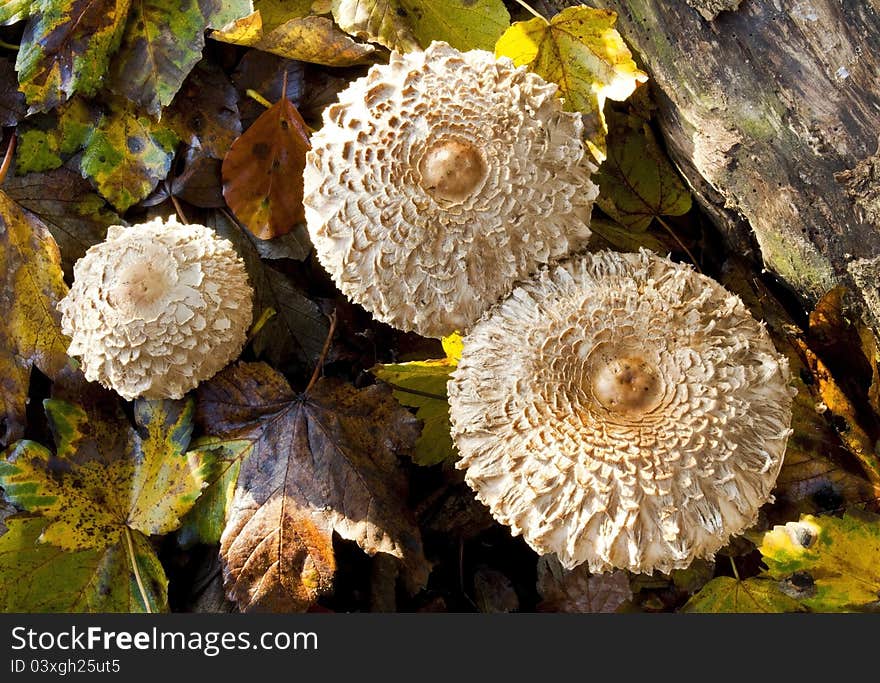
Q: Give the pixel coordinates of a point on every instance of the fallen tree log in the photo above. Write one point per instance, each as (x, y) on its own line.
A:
(771, 109)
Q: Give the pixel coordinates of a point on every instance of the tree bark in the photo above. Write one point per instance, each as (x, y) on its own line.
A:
(771, 110)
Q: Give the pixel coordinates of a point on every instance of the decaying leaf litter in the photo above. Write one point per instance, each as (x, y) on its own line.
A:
(324, 449)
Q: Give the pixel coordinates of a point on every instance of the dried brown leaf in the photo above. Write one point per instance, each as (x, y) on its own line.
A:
(577, 590)
(262, 172)
(322, 461)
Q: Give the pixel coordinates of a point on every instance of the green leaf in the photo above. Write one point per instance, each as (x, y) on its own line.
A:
(45, 141)
(422, 385)
(220, 465)
(126, 156)
(12, 11)
(39, 577)
(637, 182)
(66, 48)
(408, 25)
(291, 30)
(162, 42)
(728, 595)
(220, 13)
(580, 51)
(842, 556)
(92, 495)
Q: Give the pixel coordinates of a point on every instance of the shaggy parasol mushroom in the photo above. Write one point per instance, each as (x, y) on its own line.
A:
(440, 179)
(156, 308)
(621, 410)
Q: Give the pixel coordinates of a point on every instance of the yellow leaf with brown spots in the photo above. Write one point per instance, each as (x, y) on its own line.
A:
(31, 284)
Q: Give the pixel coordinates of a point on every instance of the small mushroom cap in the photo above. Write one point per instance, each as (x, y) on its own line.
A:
(623, 411)
(156, 308)
(440, 179)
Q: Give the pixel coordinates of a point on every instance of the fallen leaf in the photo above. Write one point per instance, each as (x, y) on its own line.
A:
(204, 113)
(126, 156)
(270, 76)
(220, 13)
(290, 29)
(198, 182)
(322, 461)
(609, 233)
(46, 141)
(12, 11)
(577, 590)
(637, 182)
(295, 334)
(408, 25)
(39, 577)
(422, 384)
(12, 103)
(494, 592)
(30, 331)
(66, 48)
(725, 595)
(580, 51)
(262, 172)
(108, 487)
(65, 202)
(841, 555)
(162, 41)
(818, 474)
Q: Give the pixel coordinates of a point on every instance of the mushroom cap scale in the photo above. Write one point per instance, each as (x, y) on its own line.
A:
(623, 411)
(156, 308)
(440, 179)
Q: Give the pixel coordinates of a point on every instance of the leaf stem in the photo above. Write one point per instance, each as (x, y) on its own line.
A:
(733, 566)
(527, 7)
(320, 364)
(679, 242)
(7, 160)
(426, 394)
(134, 566)
(9, 46)
(177, 207)
(257, 97)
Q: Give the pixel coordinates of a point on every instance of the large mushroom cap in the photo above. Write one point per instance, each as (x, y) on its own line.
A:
(440, 179)
(621, 410)
(156, 308)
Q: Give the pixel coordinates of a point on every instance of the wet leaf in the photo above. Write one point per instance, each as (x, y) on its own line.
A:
(577, 590)
(46, 141)
(108, 487)
(12, 104)
(39, 577)
(30, 331)
(422, 384)
(290, 29)
(580, 51)
(162, 42)
(66, 49)
(75, 215)
(842, 555)
(726, 594)
(296, 333)
(262, 172)
(637, 182)
(322, 461)
(126, 156)
(407, 25)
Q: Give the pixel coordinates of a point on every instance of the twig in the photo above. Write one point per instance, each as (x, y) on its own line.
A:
(679, 242)
(257, 97)
(733, 566)
(177, 207)
(7, 160)
(320, 364)
(526, 6)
